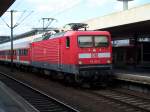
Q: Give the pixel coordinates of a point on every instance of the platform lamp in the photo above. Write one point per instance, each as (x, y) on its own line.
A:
(125, 4)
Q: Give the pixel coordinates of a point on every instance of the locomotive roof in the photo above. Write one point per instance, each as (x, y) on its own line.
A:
(24, 42)
(69, 33)
(88, 32)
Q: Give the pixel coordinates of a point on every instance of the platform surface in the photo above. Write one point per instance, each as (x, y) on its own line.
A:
(12, 102)
(140, 72)
(134, 75)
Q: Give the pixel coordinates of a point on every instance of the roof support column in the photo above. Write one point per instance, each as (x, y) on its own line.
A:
(125, 5)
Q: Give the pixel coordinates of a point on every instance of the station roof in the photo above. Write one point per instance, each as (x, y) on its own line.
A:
(4, 5)
(129, 21)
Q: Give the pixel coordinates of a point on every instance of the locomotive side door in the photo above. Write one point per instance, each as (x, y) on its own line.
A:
(64, 54)
(60, 51)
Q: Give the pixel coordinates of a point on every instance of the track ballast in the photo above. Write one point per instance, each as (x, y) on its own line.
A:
(39, 100)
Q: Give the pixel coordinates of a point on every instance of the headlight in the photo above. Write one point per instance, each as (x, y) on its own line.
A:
(108, 61)
(80, 62)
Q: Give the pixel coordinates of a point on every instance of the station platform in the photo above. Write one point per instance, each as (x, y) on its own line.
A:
(135, 75)
(12, 102)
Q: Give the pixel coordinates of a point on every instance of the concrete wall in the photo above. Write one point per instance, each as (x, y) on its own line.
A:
(133, 15)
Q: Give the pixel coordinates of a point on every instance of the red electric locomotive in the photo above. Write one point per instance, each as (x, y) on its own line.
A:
(76, 55)
(83, 56)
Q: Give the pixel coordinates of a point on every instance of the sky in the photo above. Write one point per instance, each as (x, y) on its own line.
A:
(29, 13)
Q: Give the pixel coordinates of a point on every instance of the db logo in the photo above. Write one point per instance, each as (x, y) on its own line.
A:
(94, 55)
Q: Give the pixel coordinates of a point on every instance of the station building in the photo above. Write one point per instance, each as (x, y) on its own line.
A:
(130, 31)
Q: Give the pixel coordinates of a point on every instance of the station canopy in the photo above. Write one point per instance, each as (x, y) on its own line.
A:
(130, 22)
(4, 5)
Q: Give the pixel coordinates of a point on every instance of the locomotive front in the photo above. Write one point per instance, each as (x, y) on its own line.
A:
(95, 56)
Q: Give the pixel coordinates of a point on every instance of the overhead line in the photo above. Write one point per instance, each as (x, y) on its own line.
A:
(17, 5)
(23, 19)
(67, 8)
(5, 22)
(20, 17)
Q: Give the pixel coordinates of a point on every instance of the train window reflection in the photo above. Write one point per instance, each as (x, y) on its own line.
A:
(101, 41)
(85, 41)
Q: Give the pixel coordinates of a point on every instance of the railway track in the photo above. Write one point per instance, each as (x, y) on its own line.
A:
(127, 102)
(120, 99)
(40, 101)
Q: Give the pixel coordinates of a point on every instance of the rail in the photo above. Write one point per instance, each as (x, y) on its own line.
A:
(39, 100)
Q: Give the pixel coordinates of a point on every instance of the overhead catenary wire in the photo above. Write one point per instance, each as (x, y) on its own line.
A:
(18, 23)
(67, 9)
(17, 4)
(5, 22)
(61, 12)
(52, 19)
(21, 16)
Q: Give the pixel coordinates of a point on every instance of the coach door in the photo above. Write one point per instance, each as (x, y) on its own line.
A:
(18, 54)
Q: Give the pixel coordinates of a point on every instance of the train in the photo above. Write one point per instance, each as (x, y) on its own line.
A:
(73, 55)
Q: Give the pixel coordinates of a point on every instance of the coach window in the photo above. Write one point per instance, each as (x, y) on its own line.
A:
(25, 52)
(67, 42)
(20, 52)
(17, 53)
(14, 52)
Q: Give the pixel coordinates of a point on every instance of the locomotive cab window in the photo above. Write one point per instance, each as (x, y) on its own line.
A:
(85, 41)
(67, 42)
(93, 41)
(101, 41)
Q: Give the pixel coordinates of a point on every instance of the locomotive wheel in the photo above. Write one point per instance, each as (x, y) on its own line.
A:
(69, 79)
(53, 75)
(79, 80)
